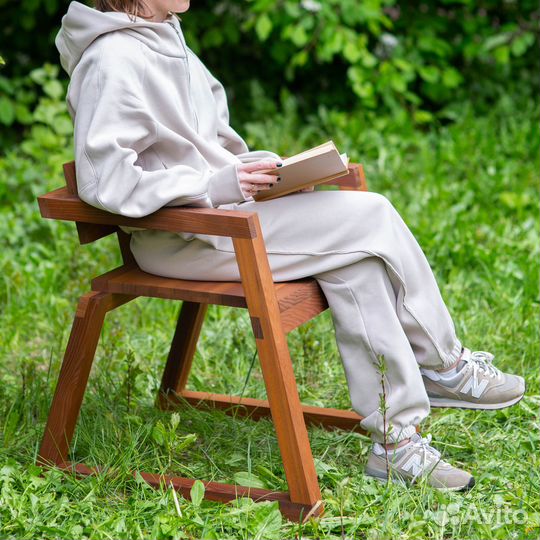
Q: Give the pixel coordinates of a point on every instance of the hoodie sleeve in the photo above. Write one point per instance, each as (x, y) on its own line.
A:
(112, 126)
(227, 136)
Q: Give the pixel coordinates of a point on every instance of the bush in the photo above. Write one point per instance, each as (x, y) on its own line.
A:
(383, 54)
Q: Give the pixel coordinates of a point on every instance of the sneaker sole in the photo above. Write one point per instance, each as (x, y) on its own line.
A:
(458, 404)
(404, 483)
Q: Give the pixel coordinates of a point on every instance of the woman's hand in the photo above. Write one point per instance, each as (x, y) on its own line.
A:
(252, 181)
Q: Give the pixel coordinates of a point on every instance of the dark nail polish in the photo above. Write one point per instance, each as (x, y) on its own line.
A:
(279, 178)
(279, 164)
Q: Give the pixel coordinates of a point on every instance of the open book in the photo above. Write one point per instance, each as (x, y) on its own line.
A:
(308, 168)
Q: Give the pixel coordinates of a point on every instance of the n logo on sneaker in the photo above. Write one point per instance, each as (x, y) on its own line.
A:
(413, 465)
(476, 388)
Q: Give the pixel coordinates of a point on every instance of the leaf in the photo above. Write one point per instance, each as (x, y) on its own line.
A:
(451, 78)
(497, 40)
(263, 26)
(352, 52)
(7, 111)
(63, 126)
(299, 36)
(267, 521)
(521, 43)
(502, 55)
(429, 73)
(196, 493)
(515, 200)
(159, 433)
(423, 117)
(248, 479)
(185, 441)
(53, 89)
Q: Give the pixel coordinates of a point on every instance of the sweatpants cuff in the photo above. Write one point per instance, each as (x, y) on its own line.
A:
(451, 358)
(394, 436)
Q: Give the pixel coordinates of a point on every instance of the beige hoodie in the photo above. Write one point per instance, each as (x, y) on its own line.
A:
(151, 122)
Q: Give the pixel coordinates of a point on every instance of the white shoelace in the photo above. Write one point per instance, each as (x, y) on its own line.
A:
(423, 444)
(481, 361)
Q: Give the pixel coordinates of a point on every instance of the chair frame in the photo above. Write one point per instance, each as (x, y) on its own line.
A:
(273, 312)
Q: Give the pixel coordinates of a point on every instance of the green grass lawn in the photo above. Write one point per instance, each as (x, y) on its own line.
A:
(468, 191)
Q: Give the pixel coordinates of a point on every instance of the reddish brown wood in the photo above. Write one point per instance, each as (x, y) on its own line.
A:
(60, 204)
(256, 409)
(184, 345)
(301, 305)
(277, 369)
(274, 308)
(124, 240)
(351, 181)
(216, 491)
(88, 232)
(299, 300)
(74, 373)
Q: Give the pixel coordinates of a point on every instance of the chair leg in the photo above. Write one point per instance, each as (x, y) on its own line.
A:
(74, 373)
(183, 347)
(277, 369)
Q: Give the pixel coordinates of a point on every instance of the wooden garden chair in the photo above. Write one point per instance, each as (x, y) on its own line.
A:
(274, 308)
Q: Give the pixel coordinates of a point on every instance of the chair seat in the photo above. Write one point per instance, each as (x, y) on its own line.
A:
(299, 300)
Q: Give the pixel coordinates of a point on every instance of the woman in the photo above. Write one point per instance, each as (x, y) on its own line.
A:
(152, 130)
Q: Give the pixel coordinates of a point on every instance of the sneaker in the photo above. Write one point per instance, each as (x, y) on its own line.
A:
(415, 460)
(474, 384)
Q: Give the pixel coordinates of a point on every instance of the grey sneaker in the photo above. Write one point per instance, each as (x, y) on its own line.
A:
(416, 460)
(477, 385)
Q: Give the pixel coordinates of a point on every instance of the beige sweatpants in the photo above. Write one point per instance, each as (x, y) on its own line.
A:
(379, 285)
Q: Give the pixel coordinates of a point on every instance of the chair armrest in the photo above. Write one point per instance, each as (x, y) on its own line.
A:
(60, 204)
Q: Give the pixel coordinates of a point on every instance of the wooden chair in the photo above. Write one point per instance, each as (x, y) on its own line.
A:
(274, 308)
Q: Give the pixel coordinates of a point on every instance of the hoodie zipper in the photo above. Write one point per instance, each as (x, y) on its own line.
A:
(189, 76)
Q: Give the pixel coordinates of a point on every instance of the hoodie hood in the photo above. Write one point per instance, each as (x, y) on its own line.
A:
(81, 25)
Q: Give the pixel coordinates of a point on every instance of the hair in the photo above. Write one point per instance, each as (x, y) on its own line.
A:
(132, 7)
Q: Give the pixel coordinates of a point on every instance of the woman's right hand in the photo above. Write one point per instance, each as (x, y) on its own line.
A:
(252, 181)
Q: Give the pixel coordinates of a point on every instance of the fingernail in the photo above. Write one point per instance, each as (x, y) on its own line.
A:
(279, 164)
(279, 178)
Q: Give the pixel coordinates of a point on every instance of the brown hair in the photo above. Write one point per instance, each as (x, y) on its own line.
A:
(132, 7)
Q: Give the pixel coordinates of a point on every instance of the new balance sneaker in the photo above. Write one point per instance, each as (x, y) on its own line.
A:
(415, 460)
(474, 384)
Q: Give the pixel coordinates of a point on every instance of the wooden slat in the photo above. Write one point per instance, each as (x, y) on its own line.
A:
(183, 347)
(215, 491)
(276, 367)
(74, 373)
(60, 204)
(88, 232)
(294, 297)
(256, 409)
(355, 180)
(301, 304)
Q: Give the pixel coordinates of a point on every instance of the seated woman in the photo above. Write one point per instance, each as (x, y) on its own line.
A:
(152, 130)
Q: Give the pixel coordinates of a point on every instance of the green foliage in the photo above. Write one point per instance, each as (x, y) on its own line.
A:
(36, 102)
(469, 193)
(380, 54)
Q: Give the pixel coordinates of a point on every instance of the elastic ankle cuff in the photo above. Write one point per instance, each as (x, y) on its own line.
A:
(451, 358)
(394, 436)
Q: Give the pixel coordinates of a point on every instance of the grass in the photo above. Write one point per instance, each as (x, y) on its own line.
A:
(468, 191)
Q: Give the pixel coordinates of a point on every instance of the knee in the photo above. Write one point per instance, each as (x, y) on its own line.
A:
(373, 202)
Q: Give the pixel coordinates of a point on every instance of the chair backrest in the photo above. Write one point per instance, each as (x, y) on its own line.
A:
(88, 232)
